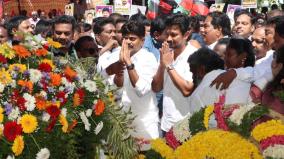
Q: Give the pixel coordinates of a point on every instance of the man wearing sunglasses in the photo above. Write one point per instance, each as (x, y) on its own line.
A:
(63, 32)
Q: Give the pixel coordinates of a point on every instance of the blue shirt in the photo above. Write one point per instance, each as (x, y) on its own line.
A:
(152, 46)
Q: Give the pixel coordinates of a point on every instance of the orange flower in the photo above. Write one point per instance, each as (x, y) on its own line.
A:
(40, 103)
(55, 79)
(71, 127)
(76, 100)
(41, 52)
(21, 51)
(26, 84)
(70, 73)
(100, 107)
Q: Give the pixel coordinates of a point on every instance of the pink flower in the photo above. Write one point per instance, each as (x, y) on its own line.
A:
(218, 107)
(171, 139)
(271, 141)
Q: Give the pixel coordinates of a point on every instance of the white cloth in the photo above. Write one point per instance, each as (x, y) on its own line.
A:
(203, 95)
(175, 105)
(141, 99)
(211, 46)
(260, 74)
(267, 56)
(105, 60)
(33, 22)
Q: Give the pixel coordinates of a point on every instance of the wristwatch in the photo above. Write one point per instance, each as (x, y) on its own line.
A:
(170, 67)
(130, 67)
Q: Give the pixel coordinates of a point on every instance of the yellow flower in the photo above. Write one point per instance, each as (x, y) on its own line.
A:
(49, 62)
(64, 123)
(162, 148)
(53, 43)
(140, 156)
(207, 113)
(1, 114)
(217, 144)
(5, 77)
(19, 67)
(7, 51)
(111, 97)
(1, 129)
(268, 129)
(18, 145)
(29, 123)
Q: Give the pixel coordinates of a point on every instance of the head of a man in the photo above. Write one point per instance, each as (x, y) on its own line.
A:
(177, 31)
(104, 30)
(158, 30)
(34, 15)
(19, 24)
(216, 26)
(244, 24)
(270, 30)
(118, 26)
(3, 34)
(134, 35)
(259, 43)
(63, 30)
(86, 46)
(106, 12)
(279, 34)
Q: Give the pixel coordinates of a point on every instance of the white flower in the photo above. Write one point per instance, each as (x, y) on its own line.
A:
(14, 114)
(30, 102)
(13, 84)
(35, 75)
(238, 114)
(2, 87)
(43, 154)
(85, 121)
(10, 157)
(181, 130)
(45, 117)
(43, 94)
(89, 112)
(90, 86)
(99, 127)
(276, 151)
(64, 112)
(70, 86)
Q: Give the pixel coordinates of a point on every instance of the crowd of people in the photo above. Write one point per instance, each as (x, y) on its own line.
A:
(174, 65)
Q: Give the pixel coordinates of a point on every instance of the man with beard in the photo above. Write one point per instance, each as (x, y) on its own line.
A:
(135, 78)
(173, 75)
(63, 32)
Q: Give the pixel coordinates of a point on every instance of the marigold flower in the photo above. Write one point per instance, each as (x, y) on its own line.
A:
(268, 129)
(5, 77)
(17, 67)
(18, 145)
(71, 127)
(78, 97)
(99, 107)
(7, 51)
(11, 130)
(49, 62)
(63, 121)
(161, 147)
(70, 73)
(21, 51)
(55, 79)
(207, 113)
(26, 84)
(41, 52)
(1, 114)
(29, 123)
(40, 103)
(53, 43)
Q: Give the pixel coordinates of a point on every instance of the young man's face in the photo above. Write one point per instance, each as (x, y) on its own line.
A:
(63, 34)
(25, 27)
(210, 33)
(107, 34)
(243, 26)
(134, 42)
(175, 38)
(269, 34)
(118, 34)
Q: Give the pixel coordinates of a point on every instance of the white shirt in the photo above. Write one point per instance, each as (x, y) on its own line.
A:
(141, 99)
(203, 95)
(175, 105)
(33, 22)
(211, 46)
(105, 60)
(260, 74)
(263, 59)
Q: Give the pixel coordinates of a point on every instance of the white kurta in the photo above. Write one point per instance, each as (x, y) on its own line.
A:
(203, 95)
(141, 99)
(175, 105)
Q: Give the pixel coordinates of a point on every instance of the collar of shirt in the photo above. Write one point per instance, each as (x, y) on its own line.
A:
(211, 46)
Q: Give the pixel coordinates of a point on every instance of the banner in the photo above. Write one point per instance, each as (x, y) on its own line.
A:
(69, 9)
(89, 15)
(93, 3)
(249, 3)
(231, 11)
(103, 10)
(122, 6)
(217, 7)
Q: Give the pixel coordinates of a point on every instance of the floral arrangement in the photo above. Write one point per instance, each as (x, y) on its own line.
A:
(49, 109)
(235, 134)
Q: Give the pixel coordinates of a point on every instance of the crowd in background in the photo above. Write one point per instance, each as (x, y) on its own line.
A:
(174, 65)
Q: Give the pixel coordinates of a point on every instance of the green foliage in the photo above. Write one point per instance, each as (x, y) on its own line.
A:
(196, 122)
(152, 154)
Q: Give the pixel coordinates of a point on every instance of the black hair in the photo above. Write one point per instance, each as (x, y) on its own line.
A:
(105, 10)
(207, 58)
(194, 23)
(243, 45)
(64, 19)
(181, 20)
(220, 19)
(115, 17)
(245, 12)
(14, 23)
(121, 20)
(99, 24)
(274, 6)
(279, 27)
(86, 27)
(274, 20)
(83, 39)
(223, 41)
(133, 27)
(139, 17)
(42, 26)
(157, 25)
(275, 84)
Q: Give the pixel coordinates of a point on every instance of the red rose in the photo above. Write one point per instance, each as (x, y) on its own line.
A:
(53, 111)
(12, 130)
